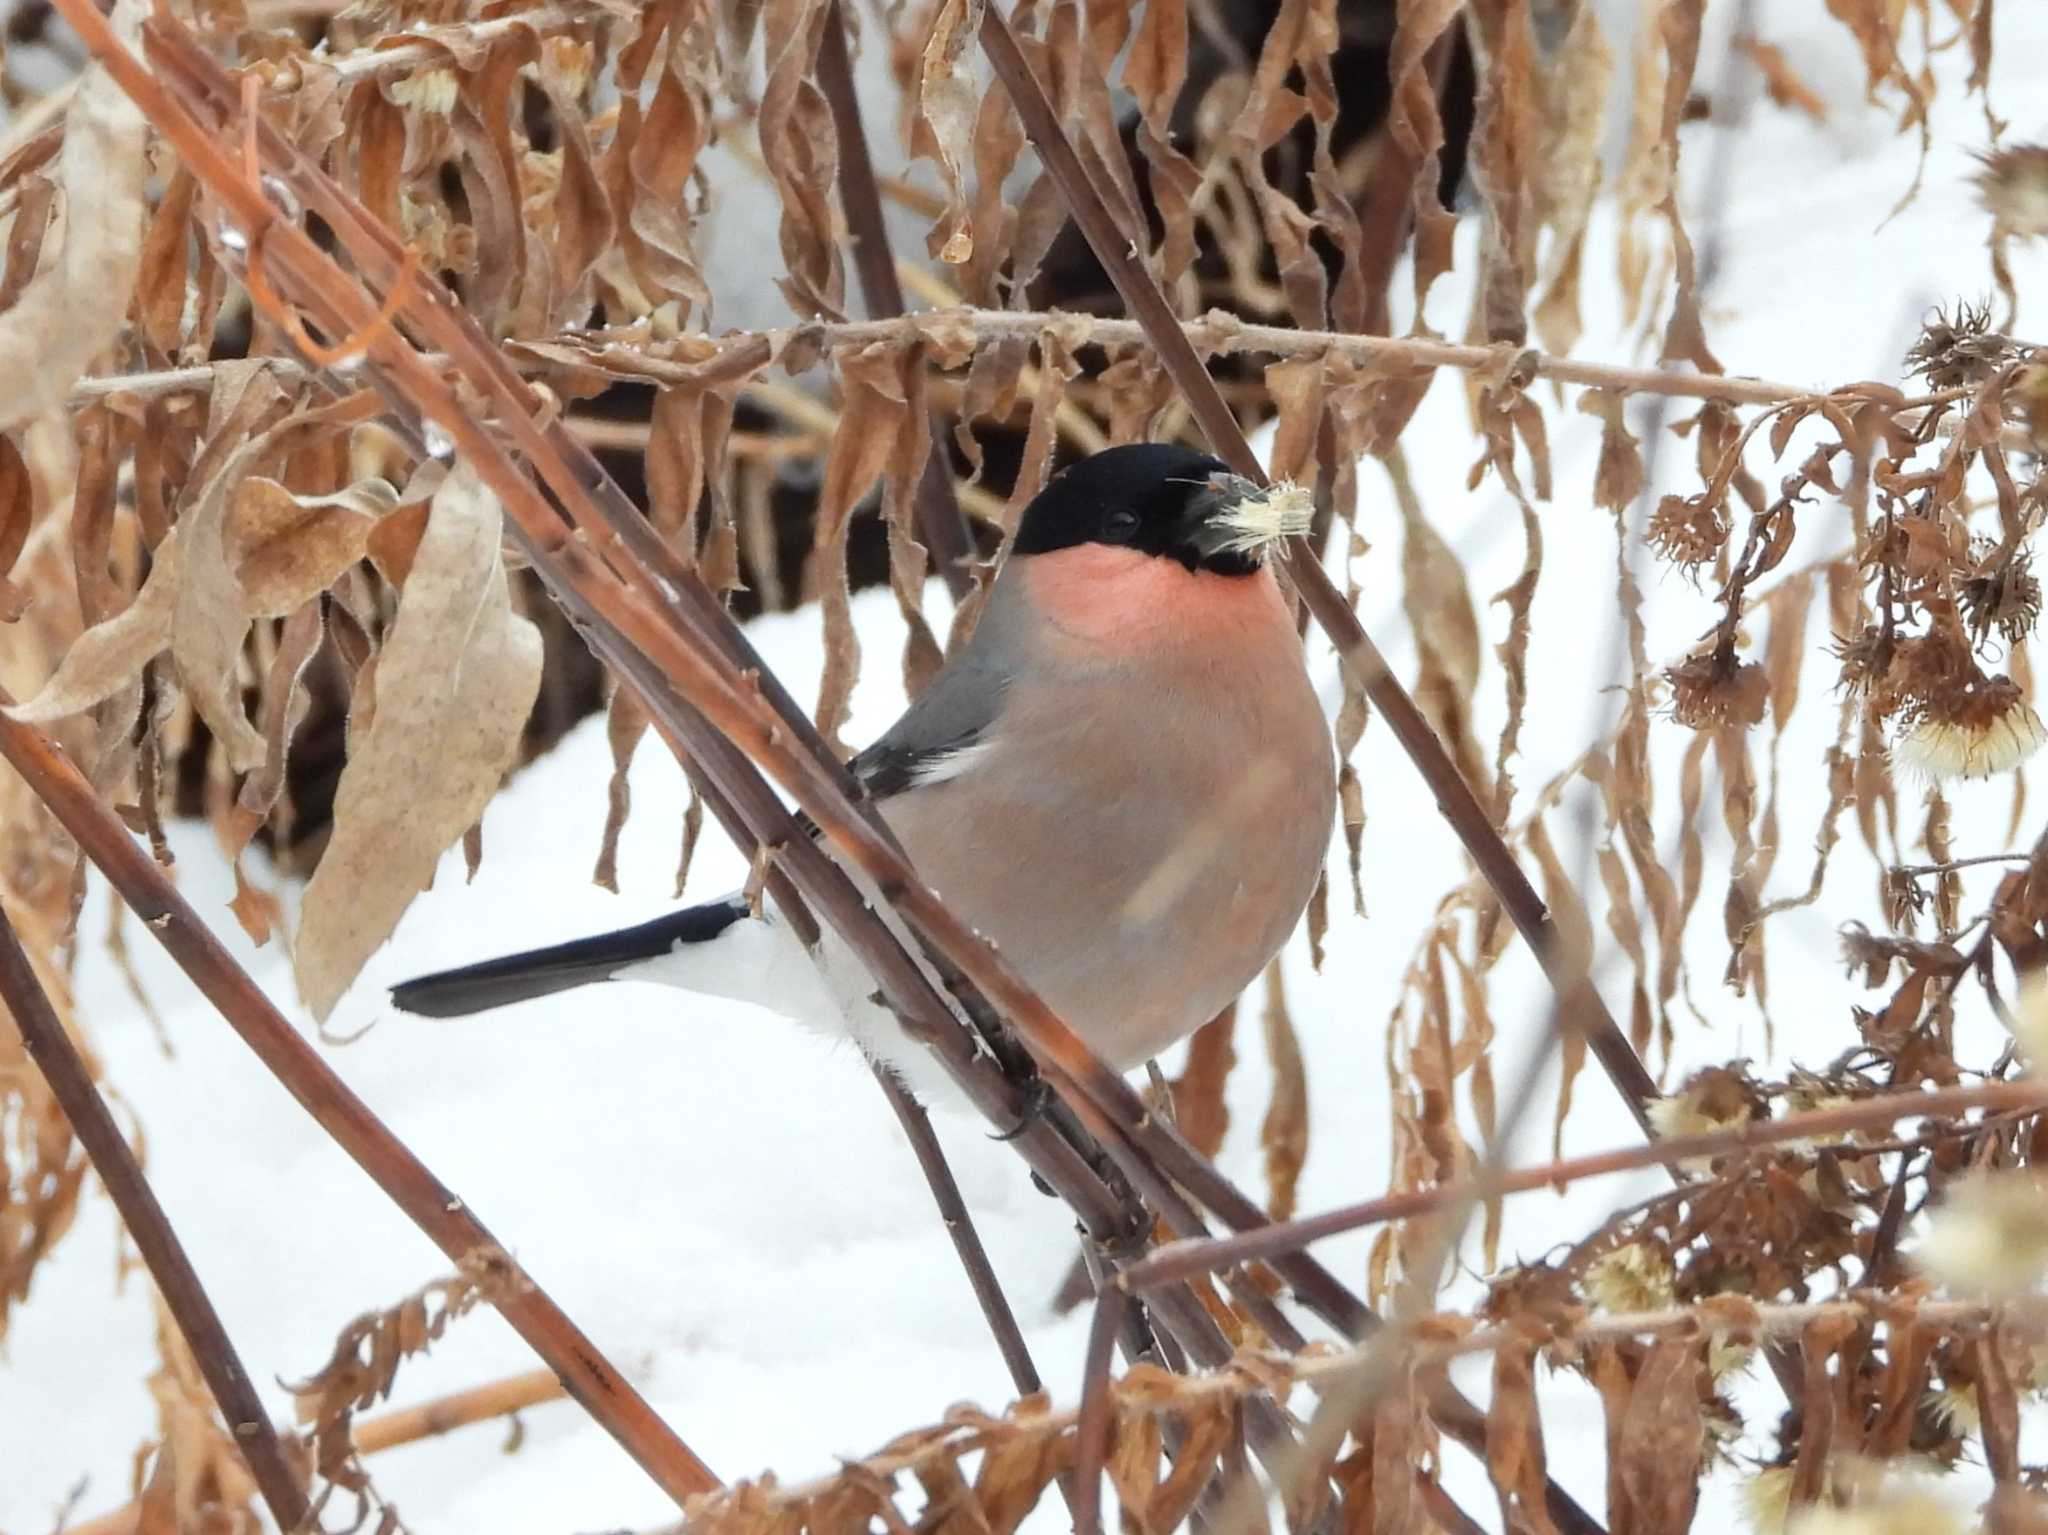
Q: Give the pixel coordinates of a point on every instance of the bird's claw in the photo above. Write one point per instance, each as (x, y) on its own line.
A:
(1038, 1097)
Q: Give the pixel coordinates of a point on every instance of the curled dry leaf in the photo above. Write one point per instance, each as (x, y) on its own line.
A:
(1284, 1134)
(283, 548)
(1413, 122)
(455, 680)
(74, 308)
(948, 100)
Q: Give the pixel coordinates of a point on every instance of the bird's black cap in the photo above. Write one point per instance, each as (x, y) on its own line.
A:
(1156, 498)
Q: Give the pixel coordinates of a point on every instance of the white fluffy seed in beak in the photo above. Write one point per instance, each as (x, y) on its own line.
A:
(1266, 517)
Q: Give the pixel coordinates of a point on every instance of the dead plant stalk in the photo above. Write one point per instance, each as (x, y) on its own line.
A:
(1180, 1260)
(42, 1031)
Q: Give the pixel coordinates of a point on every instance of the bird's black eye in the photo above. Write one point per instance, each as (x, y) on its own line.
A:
(1120, 525)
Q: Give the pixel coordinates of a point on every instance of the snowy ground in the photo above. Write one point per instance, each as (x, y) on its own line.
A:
(724, 1203)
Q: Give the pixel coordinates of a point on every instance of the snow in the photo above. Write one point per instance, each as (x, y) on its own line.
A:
(723, 1202)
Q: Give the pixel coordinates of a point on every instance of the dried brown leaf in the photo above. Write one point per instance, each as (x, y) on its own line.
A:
(164, 266)
(1514, 1444)
(284, 706)
(74, 308)
(1781, 80)
(1572, 99)
(283, 548)
(625, 723)
(455, 679)
(1200, 1109)
(865, 443)
(1685, 338)
(1284, 1134)
(1415, 125)
(1157, 65)
(949, 103)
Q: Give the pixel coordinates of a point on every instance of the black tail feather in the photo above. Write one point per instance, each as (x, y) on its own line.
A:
(541, 972)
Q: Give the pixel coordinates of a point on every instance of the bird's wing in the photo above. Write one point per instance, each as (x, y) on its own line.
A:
(938, 736)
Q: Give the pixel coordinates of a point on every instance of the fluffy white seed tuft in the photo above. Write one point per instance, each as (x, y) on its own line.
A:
(1282, 511)
(1984, 748)
(1990, 1236)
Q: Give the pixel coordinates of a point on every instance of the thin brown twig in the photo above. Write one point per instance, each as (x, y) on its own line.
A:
(959, 1224)
(42, 1034)
(1220, 333)
(1181, 1260)
(1958, 863)
(1217, 333)
(1091, 1437)
(946, 534)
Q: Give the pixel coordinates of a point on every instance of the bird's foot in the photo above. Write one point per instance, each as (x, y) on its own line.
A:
(1038, 1096)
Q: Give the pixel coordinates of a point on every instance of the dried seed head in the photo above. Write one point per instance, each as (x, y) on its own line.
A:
(2013, 186)
(1895, 1505)
(1766, 1499)
(1956, 350)
(1714, 1099)
(1863, 657)
(1914, 1514)
(2027, 399)
(1633, 1277)
(1990, 1236)
(1913, 670)
(1709, 693)
(2006, 598)
(1724, 1430)
(1687, 530)
(1727, 1357)
(1954, 1407)
(1978, 731)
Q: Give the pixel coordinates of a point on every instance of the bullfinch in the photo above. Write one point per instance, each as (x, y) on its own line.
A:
(1124, 779)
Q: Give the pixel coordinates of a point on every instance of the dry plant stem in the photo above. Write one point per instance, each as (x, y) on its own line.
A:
(1217, 331)
(42, 1033)
(1182, 1260)
(1224, 333)
(429, 1203)
(945, 529)
(1091, 1437)
(459, 1409)
(988, 1291)
(1580, 1006)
